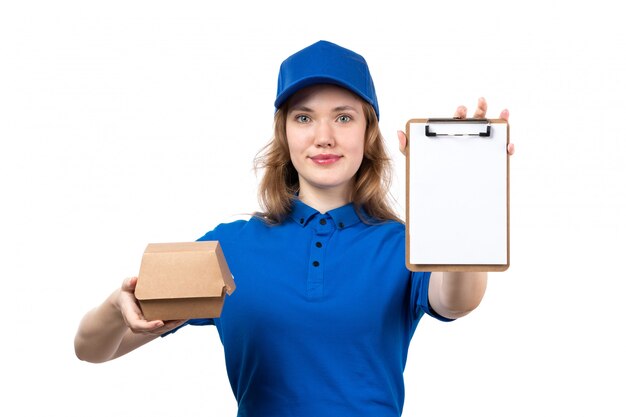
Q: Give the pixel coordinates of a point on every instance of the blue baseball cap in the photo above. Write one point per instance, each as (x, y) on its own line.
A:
(325, 63)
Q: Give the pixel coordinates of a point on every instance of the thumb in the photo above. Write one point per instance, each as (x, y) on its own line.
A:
(129, 284)
(402, 142)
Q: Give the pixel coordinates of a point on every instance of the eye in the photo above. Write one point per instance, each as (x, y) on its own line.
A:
(303, 118)
(344, 118)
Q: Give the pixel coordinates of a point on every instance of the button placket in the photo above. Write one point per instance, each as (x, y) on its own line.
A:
(323, 228)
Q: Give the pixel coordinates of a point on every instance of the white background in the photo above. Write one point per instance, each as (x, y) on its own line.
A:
(129, 122)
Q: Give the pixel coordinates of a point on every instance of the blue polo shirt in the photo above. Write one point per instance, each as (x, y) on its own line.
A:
(322, 317)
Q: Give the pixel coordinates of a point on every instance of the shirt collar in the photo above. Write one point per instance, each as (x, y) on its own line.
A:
(343, 217)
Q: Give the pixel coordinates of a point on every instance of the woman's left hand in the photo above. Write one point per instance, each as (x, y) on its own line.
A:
(461, 113)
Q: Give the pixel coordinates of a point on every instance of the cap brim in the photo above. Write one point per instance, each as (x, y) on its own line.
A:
(309, 81)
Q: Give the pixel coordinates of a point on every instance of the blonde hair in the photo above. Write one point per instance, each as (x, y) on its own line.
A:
(279, 185)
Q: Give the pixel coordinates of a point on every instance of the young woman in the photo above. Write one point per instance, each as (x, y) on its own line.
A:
(325, 308)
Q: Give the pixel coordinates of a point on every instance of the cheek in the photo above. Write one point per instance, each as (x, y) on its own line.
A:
(357, 147)
(295, 150)
(294, 141)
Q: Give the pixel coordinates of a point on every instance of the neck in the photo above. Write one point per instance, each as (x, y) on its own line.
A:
(324, 200)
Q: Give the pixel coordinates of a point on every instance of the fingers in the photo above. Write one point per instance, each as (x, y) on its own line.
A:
(481, 109)
(510, 148)
(402, 142)
(169, 325)
(134, 318)
(137, 324)
(460, 113)
(129, 308)
(480, 113)
(147, 327)
(129, 284)
(164, 327)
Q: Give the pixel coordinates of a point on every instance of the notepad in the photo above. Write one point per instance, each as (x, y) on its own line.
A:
(457, 195)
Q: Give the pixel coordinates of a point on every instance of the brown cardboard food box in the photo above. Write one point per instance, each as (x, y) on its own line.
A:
(183, 280)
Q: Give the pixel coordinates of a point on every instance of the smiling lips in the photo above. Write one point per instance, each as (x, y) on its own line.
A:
(325, 159)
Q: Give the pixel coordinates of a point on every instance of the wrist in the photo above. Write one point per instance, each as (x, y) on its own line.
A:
(113, 303)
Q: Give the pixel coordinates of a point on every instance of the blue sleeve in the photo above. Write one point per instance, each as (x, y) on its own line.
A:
(419, 296)
(193, 322)
(222, 231)
(196, 322)
(208, 236)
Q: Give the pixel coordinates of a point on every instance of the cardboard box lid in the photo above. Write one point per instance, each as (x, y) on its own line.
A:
(183, 270)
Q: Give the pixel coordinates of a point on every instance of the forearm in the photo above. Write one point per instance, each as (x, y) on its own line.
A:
(455, 294)
(101, 332)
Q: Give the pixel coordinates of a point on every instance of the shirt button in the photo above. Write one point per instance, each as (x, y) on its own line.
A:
(318, 244)
(323, 222)
(340, 225)
(316, 264)
(301, 221)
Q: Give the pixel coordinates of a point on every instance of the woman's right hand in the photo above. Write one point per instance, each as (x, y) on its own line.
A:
(133, 317)
(117, 326)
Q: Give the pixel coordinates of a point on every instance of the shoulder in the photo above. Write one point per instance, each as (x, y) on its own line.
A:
(389, 234)
(393, 225)
(387, 227)
(234, 228)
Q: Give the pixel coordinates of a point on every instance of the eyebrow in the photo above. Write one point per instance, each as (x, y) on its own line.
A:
(310, 110)
(345, 108)
(301, 108)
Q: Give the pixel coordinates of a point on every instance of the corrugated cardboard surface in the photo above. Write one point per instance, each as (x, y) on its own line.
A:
(183, 280)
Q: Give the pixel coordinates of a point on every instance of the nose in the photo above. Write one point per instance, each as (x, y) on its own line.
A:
(324, 135)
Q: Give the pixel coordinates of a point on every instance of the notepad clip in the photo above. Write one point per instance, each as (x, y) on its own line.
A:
(458, 127)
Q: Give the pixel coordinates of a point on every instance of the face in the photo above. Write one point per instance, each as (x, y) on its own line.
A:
(326, 133)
